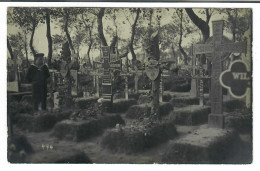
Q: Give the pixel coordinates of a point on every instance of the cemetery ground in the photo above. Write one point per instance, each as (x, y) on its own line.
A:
(124, 133)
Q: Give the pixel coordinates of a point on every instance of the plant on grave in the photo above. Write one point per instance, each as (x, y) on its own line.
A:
(65, 96)
(118, 81)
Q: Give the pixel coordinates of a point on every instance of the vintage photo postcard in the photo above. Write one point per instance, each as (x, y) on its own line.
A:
(129, 85)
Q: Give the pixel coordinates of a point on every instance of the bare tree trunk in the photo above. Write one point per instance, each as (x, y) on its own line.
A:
(114, 41)
(100, 27)
(173, 52)
(88, 53)
(10, 49)
(26, 50)
(133, 28)
(48, 35)
(201, 24)
(185, 56)
(31, 40)
(67, 31)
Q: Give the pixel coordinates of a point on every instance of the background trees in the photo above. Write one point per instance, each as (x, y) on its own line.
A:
(129, 29)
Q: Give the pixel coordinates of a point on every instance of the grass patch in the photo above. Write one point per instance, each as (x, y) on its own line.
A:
(129, 140)
(18, 149)
(60, 156)
(84, 129)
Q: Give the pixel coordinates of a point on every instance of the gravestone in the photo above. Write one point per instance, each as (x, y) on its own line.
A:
(193, 90)
(96, 76)
(137, 73)
(56, 100)
(216, 118)
(126, 75)
(201, 87)
(13, 77)
(74, 86)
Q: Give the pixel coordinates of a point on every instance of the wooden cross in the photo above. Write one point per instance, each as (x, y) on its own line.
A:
(216, 118)
(96, 76)
(108, 66)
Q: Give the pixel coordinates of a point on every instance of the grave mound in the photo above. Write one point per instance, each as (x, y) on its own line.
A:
(204, 146)
(79, 130)
(190, 115)
(43, 121)
(177, 84)
(143, 99)
(184, 101)
(144, 110)
(232, 105)
(18, 149)
(66, 155)
(138, 137)
(121, 105)
(14, 108)
(85, 103)
(240, 120)
(185, 87)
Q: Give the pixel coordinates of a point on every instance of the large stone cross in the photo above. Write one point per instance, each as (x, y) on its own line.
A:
(216, 118)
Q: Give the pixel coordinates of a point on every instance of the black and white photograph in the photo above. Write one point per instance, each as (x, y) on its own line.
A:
(129, 85)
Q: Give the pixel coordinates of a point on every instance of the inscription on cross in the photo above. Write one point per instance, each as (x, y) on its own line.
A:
(216, 118)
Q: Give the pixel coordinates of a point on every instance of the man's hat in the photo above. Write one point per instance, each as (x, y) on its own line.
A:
(39, 55)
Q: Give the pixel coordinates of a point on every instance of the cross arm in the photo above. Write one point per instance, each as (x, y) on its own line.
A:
(238, 47)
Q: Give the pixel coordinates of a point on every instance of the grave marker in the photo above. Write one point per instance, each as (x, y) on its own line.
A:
(13, 85)
(96, 76)
(107, 66)
(74, 86)
(216, 118)
(236, 79)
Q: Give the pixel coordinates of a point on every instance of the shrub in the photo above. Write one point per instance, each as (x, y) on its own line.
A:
(180, 102)
(122, 105)
(144, 110)
(231, 105)
(240, 120)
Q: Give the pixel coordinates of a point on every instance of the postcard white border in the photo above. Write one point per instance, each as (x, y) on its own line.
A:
(256, 108)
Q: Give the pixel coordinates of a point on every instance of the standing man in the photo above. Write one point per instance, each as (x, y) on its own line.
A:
(37, 75)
